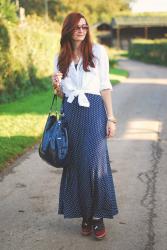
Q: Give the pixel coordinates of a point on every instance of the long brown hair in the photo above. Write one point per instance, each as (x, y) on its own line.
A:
(66, 49)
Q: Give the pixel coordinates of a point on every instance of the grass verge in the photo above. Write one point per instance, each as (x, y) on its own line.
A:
(117, 75)
(22, 123)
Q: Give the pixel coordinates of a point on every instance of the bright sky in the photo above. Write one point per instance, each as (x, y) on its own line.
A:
(149, 5)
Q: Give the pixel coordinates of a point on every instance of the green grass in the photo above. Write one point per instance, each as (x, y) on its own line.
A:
(117, 75)
(22, 122)
(119, 72)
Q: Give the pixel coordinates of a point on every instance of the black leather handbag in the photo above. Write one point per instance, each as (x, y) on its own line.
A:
(54, 145)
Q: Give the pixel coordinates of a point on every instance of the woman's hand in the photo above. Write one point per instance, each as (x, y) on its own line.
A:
(110, 129)
(56, 83)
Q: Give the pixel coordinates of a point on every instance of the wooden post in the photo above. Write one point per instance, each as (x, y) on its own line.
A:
(118, 38)
(146, 32)
(46, 10)
(17, 7)
(22, 16)
(17, 4)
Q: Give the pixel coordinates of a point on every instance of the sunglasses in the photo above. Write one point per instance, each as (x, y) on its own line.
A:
(83, 27)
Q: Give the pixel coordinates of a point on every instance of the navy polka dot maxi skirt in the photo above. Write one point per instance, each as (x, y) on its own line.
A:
(87, 187)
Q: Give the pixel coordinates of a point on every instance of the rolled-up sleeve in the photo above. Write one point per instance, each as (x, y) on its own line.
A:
(104, 69)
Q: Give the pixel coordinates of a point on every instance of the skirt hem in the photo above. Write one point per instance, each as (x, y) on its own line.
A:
(95, 215)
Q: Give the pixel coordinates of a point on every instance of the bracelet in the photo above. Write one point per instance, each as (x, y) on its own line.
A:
(112, 119)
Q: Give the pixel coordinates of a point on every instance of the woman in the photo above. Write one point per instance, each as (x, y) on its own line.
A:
(81, 78)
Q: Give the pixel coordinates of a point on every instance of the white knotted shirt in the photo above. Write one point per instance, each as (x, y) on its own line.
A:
(78, 82)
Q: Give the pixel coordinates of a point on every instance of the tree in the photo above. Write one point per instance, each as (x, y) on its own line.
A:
(96, 10)
(8, 10)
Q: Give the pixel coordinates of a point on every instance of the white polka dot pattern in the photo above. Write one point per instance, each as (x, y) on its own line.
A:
(87, 187)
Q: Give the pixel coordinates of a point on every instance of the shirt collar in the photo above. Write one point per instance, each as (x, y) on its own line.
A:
(79, 63)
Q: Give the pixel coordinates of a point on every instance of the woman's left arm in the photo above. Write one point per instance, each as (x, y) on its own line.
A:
(111, 121)
(106, 89)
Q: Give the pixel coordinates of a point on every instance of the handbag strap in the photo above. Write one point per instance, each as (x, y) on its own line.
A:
(61, 110)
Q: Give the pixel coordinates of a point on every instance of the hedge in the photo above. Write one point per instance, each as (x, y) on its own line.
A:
(151, 51)
(26, 57)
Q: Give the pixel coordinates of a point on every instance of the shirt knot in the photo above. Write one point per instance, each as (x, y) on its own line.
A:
(82, 99)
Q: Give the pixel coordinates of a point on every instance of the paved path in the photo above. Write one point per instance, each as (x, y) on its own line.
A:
(29, 193)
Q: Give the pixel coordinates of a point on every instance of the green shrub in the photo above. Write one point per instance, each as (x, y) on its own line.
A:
(151, 51)
(8, 10)
(26, 57)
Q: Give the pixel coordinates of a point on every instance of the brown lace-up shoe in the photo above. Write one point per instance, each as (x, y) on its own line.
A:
(86, 227)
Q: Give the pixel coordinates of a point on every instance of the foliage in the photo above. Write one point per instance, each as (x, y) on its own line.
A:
(152, 51)
(97, 10)
(26, 58)
(8, 10)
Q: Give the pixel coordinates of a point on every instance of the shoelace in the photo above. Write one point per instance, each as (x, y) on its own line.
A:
(99, 225)
(96, 227)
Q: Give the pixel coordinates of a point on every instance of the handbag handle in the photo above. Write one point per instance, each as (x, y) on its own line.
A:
(61, 111)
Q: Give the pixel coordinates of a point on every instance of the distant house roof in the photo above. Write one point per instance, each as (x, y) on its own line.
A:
(139, 21)
(102, 26)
